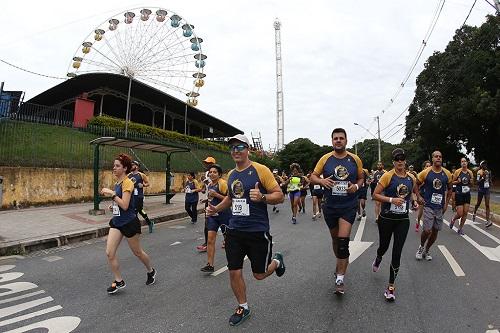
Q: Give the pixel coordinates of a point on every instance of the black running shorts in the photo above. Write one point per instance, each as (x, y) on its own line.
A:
(257, 246)
(130, 229)
(332, 216)
(461, 199)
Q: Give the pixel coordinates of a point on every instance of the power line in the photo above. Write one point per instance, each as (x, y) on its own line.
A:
(470, 11)
(31, 72)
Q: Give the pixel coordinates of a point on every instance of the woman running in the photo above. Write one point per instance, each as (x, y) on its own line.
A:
(483, 190)
(462, 180)
(217, 191)
(304, 184)
(124, 223)
(317, 195)
(394, 191)
(425, 165)
(293, 189)
(192, 188)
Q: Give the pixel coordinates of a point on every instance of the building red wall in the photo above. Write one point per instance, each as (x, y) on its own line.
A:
(84, 111)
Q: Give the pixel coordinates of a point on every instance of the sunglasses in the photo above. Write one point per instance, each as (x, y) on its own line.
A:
(238, 148)
(399, 158)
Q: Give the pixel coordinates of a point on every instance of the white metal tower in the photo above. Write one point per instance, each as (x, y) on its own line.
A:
(279, 89)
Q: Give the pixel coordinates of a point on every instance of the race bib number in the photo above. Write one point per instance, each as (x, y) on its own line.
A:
(486, 184)
(436, 198)
(240, 207)
(136, 191)
(465, 189)
(317, 187)
(116, 209)
(188, 189)
(340, 188)
(399, 209)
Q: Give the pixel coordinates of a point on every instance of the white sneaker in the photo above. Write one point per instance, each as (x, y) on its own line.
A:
(420, 253)
(427, 256)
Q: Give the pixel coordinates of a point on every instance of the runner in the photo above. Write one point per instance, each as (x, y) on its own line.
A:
(304, 184)
(192, 188)
(343, 177)
(317, 196)
(280, 183)
(207, 163)
(362, 192)
(376, 177)
(453, 190)
(420, 212)
(124, 223)
(217, 191)
(483, 190)
(462, 179)
(436, 182)
(394, 191)
(251, 188)
(411, 170)
(140, 181)
(293, 189)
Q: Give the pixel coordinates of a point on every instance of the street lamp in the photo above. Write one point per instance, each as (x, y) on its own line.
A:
(376, 137)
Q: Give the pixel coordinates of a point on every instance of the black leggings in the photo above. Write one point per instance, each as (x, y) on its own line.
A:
(386, 228)
(191, 209)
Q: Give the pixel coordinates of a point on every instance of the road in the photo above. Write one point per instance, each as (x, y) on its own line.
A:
(494, 198)
(68, 286)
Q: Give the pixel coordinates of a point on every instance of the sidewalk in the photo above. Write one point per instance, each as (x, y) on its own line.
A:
(33, 229)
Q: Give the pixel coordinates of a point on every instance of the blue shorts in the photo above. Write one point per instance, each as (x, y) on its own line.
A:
(294, 194)
(215, 222)
(483, 191)
(332, 216)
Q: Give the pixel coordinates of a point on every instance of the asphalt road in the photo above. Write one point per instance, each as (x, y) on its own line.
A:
(494, 197)
(430, 295)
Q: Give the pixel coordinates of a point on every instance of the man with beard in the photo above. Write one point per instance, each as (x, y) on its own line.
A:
(342, 178)
(376, 177)
(436, 182)
(140, 181)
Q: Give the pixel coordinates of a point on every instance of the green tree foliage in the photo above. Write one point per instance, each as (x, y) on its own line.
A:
(457, 99)
(302, 151)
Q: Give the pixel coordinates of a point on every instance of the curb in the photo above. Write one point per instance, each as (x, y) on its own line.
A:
(495, 218)
(58, 240)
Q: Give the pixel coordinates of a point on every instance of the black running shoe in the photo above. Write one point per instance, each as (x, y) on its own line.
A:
(281, 268)
(239, 316)
(151, 277)
(488, 224)
(115, 286)
(208, 269)
(151, 225)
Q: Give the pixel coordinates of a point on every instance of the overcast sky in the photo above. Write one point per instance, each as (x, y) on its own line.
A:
(342, 60)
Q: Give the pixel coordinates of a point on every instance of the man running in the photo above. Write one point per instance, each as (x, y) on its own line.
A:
(394, 191)
(436, 182)
(376, 177)
(140, 181)
(483, 190)
(342, 177)
(317, 196)
(420, 211)
(362, 195)
(251, 187)
(207, 163)
(462, 179)
(280, 183)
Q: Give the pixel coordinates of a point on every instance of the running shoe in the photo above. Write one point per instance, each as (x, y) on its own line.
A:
(193, 221)
(376, 263)
(239, 316)
(488, 224)
(389, 294)
(202, 248)
(474, 217)
(427, 256)
(364, 213)
(318, 215)
(277, 210)
(274, 209)
(452, 223)
(314, 217)
(208, 269)
(339, 287)
(151, 277)
(280, 270)
(359, 218)
(461, 232)
(294, 220)
(151, 225)
(420, 253)
(115, 286)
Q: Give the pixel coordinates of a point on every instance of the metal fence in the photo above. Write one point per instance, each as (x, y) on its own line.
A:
(35, 113)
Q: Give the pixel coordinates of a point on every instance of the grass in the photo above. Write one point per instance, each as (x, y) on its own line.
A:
(494, 207)
(39, 145)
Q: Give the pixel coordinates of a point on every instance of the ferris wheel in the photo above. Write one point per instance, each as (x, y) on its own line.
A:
(152, 45)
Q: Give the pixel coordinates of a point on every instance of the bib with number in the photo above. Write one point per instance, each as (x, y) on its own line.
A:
(398, 209)
(436, 198)
(188, 189)
(486, 184)
(136, 191)
(317, 187)
(465, 189)
(340, 188)
(116, 209)
(240, 207)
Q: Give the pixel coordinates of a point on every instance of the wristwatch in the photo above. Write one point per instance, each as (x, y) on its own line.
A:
(263, 198)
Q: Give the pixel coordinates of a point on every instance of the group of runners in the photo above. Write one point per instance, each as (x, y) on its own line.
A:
(238, 207)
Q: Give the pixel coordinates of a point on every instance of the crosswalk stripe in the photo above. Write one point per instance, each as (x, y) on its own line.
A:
(453, 263)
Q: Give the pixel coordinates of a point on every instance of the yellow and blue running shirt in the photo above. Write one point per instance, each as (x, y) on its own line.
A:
(435, 185)
(120, 216)
(465, 181)
(397, 187)
(342, 171)
(138, 178)
(247, 215)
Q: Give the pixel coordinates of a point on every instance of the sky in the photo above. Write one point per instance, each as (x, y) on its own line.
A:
(342, 60)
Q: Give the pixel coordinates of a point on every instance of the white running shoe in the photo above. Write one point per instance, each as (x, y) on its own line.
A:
(420, 253)
(427, 256)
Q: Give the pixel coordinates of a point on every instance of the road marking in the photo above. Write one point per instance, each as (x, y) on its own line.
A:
(356, 246)
(30, 315)
(5, 268)
(22, 296)
(52, 258)
(359, 231)
(12, 257)
(175, 243)
(24, 306)
(487, 234)
(492, 331)
(177, 227)
(479, 217)
(223, 269)
(453, 263)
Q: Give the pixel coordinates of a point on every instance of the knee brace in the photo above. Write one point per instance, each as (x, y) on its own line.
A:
(343, 247)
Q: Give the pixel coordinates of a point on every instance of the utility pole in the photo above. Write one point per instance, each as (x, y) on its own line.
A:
(280, 122)
(497, 5)
(356, 147)
(378, 132)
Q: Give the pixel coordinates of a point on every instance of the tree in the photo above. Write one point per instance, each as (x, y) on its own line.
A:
(302, 151)
(457, 100)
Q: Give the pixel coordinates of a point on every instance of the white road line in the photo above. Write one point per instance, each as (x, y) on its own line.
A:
(22, 296)
(479, 217)
(30, 315)
(175, 243)
(12, 257)
(52, 258)
(24, 306)
(492, 331)
(223, 269)
(453, 263)
(359, 231)
(487, 234)
(4, 268)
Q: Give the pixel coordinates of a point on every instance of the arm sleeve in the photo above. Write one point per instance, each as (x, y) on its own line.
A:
(144, 178)
(197, 184)
(266, 177)
(318, 169)
(455, 175)
(385, 179)
(127, 185)
(223, 187)
(421, 176)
